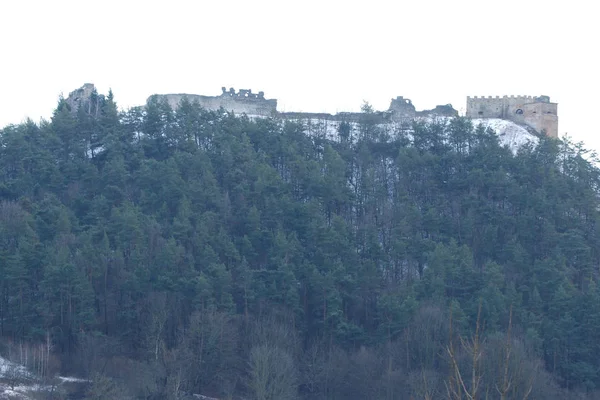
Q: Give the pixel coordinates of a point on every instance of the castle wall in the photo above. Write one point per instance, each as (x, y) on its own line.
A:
(439, 111)
(496, 107)
(482, 107)
(80, 97)
(307, 115)
(543, 117)
(378, 117)
(536, 112)
(514, 108)
(238, 104)
(402, 108)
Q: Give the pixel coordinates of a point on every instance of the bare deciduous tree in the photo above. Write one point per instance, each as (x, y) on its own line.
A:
(273, 374)
(457, 388)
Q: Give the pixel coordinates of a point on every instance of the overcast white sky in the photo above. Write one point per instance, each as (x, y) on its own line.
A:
(322, 56)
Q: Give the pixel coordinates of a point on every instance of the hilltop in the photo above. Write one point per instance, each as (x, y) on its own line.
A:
(401, 114)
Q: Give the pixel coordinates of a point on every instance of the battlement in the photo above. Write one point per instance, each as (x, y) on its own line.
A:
(242, 94)
(519, 97)
(241, 102)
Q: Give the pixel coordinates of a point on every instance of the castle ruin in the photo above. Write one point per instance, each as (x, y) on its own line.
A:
(246, 102)
(241, 102)
(536, 112)
(403, 109)
(85, 97)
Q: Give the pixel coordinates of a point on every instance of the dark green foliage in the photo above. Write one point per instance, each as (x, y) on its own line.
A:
(198, 252)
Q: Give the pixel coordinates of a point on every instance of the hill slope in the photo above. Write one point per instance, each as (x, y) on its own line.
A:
(197, 252)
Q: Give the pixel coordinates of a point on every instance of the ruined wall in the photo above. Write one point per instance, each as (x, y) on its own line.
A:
(377, 117)
(307, 115)
(536, 112)
(242, 102)
(439, 111)
(496, 107)
(482, 107)
(81, 97)
(543, 117)
(246, 102)
(402, 108)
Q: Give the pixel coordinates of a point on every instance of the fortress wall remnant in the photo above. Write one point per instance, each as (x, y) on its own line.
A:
(543, 117)
(80, 97)
(242, 102)
(307, 115)
(439, 111)
(245, 102)
(174, 100)
(377, 117)
(402, 108)
(495, 107)
(514, 108)
(537, 112)
(482, 107)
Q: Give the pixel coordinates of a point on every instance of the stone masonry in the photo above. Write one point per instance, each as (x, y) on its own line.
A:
(536, 112)
(81, 97)
(246, 102)
(241, 102)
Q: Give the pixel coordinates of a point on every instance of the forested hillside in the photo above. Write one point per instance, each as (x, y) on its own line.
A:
(161, 254)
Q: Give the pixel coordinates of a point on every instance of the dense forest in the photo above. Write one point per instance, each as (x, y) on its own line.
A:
(161, 254)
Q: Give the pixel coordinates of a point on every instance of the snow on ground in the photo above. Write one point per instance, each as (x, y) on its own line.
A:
(71, 379)
(12, 394)
(24, 381)
(10, 368)
(10, 371)
(509, 134)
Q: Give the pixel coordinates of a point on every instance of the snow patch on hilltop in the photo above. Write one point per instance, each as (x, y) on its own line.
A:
(509, 134)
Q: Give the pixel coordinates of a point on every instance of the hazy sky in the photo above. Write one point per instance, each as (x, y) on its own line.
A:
(322, 56)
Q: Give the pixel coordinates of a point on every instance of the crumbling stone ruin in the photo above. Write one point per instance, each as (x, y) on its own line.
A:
(535, 112)
(402, 109)
(241, 102)
(87, 98)
(242, 94)
(255, 104)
